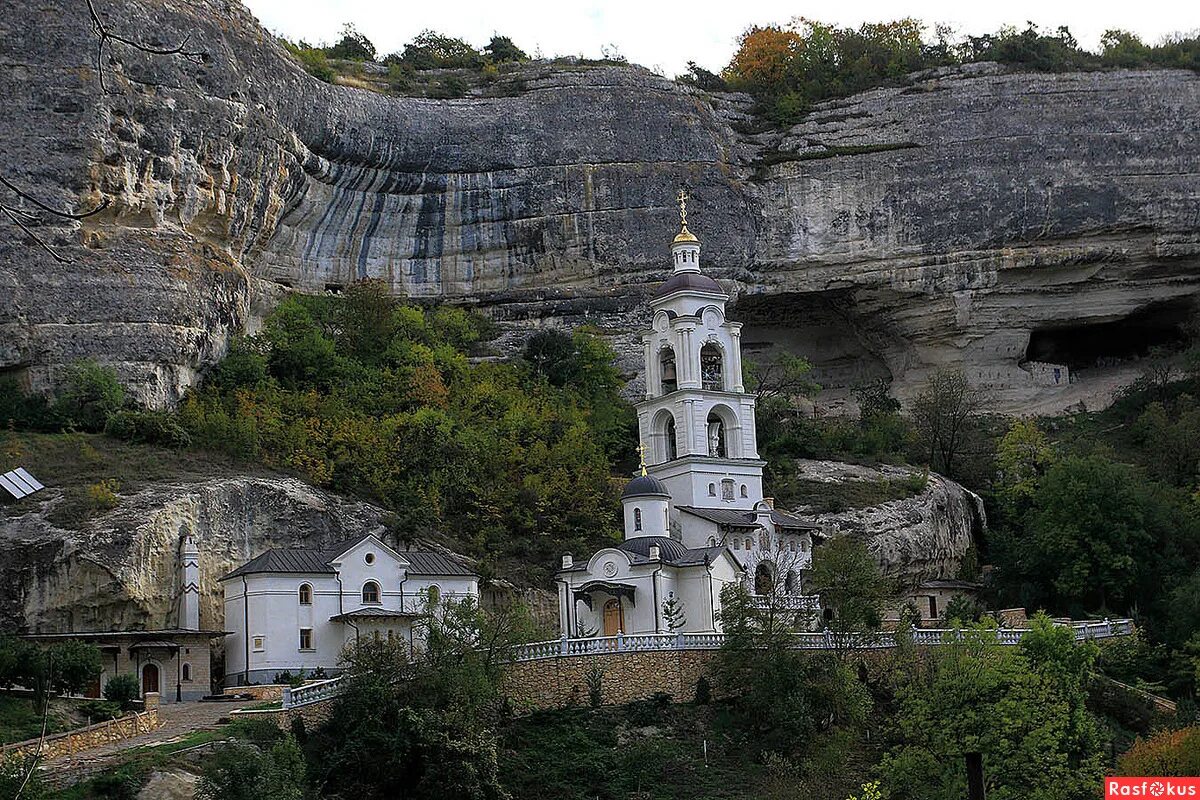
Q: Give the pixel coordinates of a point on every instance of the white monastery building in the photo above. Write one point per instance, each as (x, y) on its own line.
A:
(295, 609)
(695, 519)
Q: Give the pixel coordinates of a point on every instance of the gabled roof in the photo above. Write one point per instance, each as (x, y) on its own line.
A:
(305, 561)
(740, 518)
(296, 561)
(731, 517)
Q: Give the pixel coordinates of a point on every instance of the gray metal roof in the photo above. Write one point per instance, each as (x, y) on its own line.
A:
(723, 516)
(427, 563)
(375, 613)
(309, 562)
(670, 551)
(294, 561)
(740, 518)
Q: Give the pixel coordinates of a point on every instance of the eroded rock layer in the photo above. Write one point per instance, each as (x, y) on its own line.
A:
(966, 217)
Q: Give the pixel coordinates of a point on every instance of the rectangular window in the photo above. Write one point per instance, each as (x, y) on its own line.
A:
(306, 639)
(260, 644)
(933, 608)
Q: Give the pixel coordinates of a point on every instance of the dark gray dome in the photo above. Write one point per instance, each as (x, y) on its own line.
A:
(669, 549)
(695, 281)
(645, 485)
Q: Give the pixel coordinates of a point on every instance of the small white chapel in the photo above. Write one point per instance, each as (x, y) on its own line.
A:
(695, 517)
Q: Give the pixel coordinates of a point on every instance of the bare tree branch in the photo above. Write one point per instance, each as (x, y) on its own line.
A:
(25, 219)
(104, 36)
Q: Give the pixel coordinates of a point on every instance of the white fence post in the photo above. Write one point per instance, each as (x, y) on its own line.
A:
(563, 645)
(286, 700)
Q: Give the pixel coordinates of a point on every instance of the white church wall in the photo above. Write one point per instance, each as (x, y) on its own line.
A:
(269, 629)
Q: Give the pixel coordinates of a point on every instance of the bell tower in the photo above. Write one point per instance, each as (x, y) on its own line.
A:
(696, 415)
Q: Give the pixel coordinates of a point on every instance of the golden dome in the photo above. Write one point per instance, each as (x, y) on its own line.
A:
(685, 236)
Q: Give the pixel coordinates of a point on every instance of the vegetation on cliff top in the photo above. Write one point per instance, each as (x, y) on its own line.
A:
(787, 68)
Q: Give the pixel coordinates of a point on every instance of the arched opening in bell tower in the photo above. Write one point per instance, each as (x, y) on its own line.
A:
(721, 432)
(668, 381)
(666, 445)
(711, 367)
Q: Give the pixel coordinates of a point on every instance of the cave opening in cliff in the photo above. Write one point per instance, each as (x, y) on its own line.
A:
(839, 339)
(1104, 344)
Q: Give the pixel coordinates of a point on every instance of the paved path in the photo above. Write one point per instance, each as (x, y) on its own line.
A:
(178, 721)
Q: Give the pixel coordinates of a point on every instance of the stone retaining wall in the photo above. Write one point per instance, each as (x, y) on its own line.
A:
(259, 691)
(71, 742)
(624, 677)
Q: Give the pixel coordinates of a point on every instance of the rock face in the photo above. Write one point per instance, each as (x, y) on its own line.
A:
(1000, 221)
(914, 539)
(121, 568)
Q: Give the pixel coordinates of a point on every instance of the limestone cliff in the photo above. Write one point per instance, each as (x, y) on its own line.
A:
(120, 569)
(1014, 223)
(915, 538)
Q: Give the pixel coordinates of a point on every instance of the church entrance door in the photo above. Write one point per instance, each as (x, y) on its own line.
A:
(614, 618)
(149, 678)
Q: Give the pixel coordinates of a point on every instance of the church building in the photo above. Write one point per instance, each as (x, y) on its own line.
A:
(695, 518)
(296, 609)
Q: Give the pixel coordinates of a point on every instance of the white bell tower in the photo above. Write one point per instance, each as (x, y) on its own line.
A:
(189, 584)
(696, 416)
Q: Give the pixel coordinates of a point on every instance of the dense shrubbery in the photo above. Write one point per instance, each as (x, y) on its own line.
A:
(788, 68)
(366, 396)
(1022, 708)
(65, 667)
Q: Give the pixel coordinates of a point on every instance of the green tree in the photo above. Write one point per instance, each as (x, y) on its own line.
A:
(1022, 458)
(943, 416)
(501, 49)
(1022, 708)
(91, 393)
(783, 697)
(1170, 437)
(1088, 532)
(849, 581)
(418, 726)
(432, 50)
(352, 45)
(123, 689)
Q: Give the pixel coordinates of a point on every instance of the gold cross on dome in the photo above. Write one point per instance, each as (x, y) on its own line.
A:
(683, 197)
(641, 448)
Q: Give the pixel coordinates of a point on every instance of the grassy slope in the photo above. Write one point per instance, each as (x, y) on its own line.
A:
(21, 720)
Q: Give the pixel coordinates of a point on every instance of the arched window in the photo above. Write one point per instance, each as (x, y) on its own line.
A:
(710, 368)
(637, 519)
(435, 594)
(749, 543)
(712, 541)
(370, 592)
(712, 490)
(790, 583)
(305, 594)
(737, 544)
(716, 436)
(763, 579)
(792, 545)
(671, 442)
(745, 493)
(669, 381)
(187, 673)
